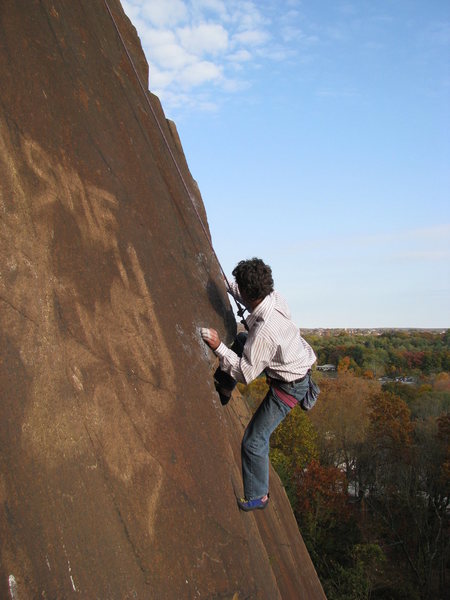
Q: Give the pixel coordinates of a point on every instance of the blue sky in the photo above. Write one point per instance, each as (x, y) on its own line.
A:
(319, 134)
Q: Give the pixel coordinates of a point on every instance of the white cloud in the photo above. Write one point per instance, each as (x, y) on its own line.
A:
(131, 10)
(206, 38)
(166, 51)
(254, 37)
(292, 33)
(234, 85)
(164, 12)
(159, 80)
(158, 37)
(193, 44)
(248, 16)
(216, 6)
(240, 56)
(185, 100)
(199, 73)
(275, 53)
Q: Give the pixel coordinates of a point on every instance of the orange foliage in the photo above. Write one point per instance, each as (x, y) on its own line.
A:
(391, 421)
(322, 491)
(344, 364)
(442, 383)
(341, 416)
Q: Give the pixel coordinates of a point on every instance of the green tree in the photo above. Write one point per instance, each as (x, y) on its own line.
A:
(293, 446)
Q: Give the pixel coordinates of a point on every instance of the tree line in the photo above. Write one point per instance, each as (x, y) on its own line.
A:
(367, 471)
(394, 352)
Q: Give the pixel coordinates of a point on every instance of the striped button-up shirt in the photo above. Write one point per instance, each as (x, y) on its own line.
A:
(274, 344)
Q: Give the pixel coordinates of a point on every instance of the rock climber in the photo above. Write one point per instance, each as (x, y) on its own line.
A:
(273, 346)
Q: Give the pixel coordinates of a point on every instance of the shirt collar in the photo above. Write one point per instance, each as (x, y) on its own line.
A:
(262, 311)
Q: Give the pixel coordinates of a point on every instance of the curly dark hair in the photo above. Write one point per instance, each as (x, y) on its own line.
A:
(254, 278)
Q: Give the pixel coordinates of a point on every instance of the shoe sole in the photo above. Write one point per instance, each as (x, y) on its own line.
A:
(245, 509)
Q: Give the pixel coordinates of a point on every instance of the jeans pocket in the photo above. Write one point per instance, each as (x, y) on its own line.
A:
(298, 390)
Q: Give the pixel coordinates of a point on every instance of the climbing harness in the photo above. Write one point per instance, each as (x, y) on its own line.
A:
(240, 309)
(241, 312)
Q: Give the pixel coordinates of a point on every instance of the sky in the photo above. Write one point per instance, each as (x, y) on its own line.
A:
(318, 132)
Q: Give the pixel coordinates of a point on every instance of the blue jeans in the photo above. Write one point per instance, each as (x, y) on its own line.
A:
(255, 444)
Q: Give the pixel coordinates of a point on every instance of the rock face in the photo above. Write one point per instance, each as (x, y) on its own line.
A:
(119, 466)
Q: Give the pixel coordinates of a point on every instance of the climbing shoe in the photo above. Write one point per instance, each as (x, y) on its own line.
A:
(224, 394)
(255, 504)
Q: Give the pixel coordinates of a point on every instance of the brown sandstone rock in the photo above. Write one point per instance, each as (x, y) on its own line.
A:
(118, 463)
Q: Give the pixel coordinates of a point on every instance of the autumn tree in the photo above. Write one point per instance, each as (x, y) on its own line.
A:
(341, 418)
(321, 503)
(329, 527)
(403, 475)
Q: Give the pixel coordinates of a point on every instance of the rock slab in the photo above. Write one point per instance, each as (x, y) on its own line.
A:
(119, 466)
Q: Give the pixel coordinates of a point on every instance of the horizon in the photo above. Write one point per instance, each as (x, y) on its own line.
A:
(383, 328)
(318, 134)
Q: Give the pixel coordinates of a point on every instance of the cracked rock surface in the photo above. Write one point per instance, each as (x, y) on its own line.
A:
(118, 465)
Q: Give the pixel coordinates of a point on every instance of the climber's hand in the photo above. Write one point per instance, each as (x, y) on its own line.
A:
(211, 337)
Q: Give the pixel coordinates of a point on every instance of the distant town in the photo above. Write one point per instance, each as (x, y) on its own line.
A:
(330, 332)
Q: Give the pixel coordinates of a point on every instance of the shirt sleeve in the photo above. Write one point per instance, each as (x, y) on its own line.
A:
(255, 359)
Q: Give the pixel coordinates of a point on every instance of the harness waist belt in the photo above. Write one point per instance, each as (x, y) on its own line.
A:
(289, 382)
